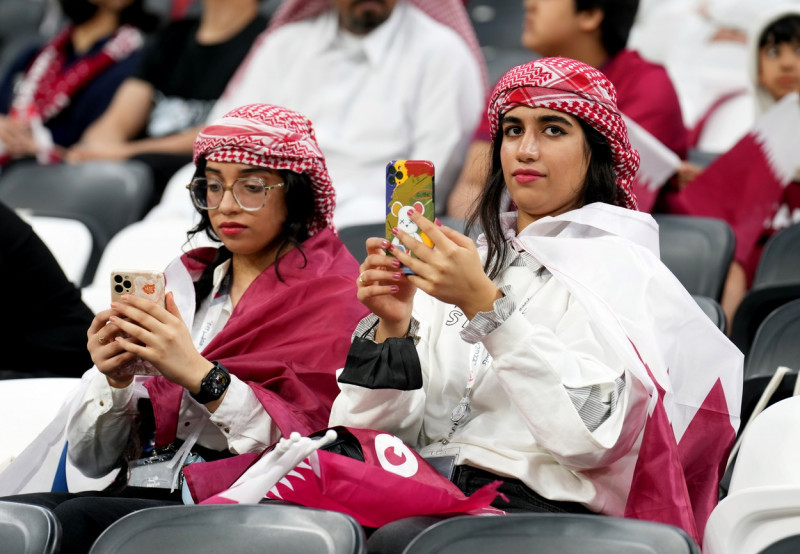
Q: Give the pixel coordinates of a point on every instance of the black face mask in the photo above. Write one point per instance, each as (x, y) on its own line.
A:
(78, 11)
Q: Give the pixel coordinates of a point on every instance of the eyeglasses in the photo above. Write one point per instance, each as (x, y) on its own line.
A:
(249, 192)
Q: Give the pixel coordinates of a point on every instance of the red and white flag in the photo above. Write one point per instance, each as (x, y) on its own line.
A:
(657, 164)
(744, 186)
(392, 482)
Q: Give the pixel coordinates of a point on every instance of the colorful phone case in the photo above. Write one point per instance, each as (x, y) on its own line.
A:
(145, 284)
(409, 186)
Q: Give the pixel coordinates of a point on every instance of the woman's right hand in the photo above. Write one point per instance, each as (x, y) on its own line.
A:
(107, 354)
(385, 290)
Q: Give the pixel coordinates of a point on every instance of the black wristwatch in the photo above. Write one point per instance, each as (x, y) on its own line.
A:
(213, 385)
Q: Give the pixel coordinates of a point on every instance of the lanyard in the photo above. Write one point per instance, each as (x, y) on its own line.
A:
(479, 361)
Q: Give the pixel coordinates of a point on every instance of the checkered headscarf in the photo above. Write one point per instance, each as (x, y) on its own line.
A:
(580, 90)
(273, 137)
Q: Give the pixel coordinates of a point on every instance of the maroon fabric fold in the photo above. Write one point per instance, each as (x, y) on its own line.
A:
(284, 339)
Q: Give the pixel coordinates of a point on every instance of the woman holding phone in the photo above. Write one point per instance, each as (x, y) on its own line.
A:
(536, 358)
(250, 338)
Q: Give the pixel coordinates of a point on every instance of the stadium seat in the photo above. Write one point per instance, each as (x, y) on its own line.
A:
(240, 528)
(750, 520)
(776, 282)
(104, 196)
(756, 305)
(354, 237)
(788, 545)
(763, 504)
(28, 529)
(551, 534)
(775, 344)
(780, 261)
(498, 26)
(698, 250)
(146, 245)
(69, 240)
(712, 309)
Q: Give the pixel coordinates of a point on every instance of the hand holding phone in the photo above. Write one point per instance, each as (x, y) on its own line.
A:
(145, 284)
(409, 187)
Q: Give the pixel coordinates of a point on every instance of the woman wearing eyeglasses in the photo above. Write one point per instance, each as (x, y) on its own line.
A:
(250, 338)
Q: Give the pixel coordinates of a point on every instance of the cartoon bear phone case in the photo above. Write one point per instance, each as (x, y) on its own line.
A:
(409, 186)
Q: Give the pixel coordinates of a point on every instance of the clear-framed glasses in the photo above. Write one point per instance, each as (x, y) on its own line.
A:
(249, 192)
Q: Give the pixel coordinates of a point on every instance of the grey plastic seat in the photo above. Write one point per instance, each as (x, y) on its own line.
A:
(780, 261)
(788, 545)
(240, 528)
(354, 237)
(712, 309)
(776, 282)
(551, 534)
(698, 251)
(776, 343)
(104, 196)
(28, 529)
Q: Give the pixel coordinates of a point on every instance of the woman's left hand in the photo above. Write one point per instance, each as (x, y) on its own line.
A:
(451, 271)
(160, 336)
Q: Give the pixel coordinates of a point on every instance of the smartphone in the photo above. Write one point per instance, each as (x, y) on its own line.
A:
(145, 284)
(409, 187)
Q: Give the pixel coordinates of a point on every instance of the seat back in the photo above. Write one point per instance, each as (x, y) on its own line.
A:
(770, 449)
(105, 196)
(788, 545)
(71, 243)
(240, 528)
(756, 305)
(28, 529)
(750, 520)
(712, 309)
(551, 533)
(780, 261)
(147, 245)
(354, 237)
(777, 342)
(698, 251)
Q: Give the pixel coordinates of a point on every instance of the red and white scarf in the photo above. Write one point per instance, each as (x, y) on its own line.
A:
(48, 86)
(580, 90)
(270, 136)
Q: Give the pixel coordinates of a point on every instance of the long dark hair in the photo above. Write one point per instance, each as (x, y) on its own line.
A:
(299, 199)
(599, 185)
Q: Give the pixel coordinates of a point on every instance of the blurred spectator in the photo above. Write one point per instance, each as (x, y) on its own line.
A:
(50, 95)
(156, 113)
(755, 186)
(381, 80)
(594, 32)
(46, 334)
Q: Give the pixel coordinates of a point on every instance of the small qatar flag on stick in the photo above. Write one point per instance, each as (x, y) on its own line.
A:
(744, 185)
(369, 474)
(657, 164)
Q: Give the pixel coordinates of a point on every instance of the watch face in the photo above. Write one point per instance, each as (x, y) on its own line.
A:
(218, 382)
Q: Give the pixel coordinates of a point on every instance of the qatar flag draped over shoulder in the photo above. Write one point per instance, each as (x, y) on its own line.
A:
(691, 370)
(744, 185)
(392, 482)
(657, 164)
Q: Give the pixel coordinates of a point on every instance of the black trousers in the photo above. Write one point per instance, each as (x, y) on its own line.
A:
(393, 537)
(85, 515)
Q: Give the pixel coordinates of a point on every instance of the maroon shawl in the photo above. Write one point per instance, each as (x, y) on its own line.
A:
(284, 339)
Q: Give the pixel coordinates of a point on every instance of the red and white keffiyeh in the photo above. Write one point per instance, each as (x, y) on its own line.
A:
(450, 13)
(580, 90)
(48, 86)
(270, 136)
